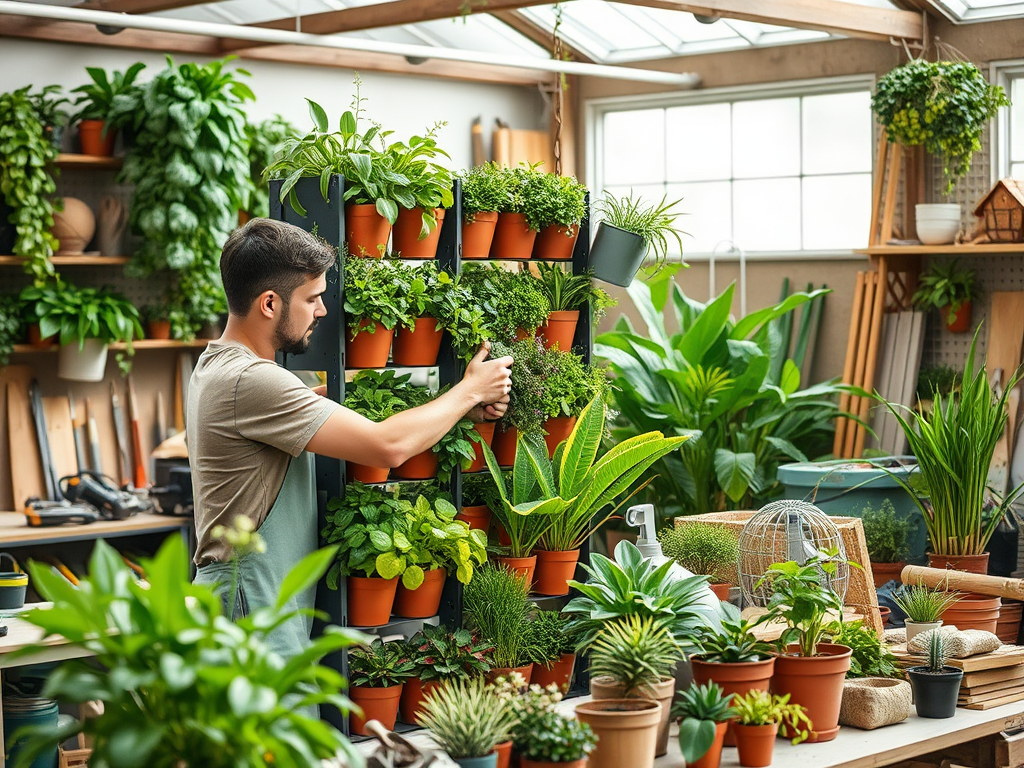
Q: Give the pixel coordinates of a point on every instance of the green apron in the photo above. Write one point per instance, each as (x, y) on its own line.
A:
(290, 533)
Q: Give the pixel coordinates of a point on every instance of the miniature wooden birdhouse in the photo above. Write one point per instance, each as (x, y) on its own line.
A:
(1003, 211)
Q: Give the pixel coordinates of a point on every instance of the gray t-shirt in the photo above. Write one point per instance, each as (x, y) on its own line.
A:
(246, 418)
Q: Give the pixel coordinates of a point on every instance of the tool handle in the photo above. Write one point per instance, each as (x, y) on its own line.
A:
(140, 462)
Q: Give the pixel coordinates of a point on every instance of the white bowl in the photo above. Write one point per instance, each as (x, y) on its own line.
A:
(936, 232)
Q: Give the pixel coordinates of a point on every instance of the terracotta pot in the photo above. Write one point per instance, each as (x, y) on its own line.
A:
(558, 429)
(413, 693)
(90, 134)
(721, 590)
(73, 227)
(627, 731)
(422, 466)
(35, 337)
(525, 763)
(526, 671)
(504, 753)
(560, 329)
(973, 613)
(755, 744)
(424, 601)
(505, 446)
(477, 517)
(478, 234)
(368, 350)
(886, 572)
(962, 323)
(737, 679)
(884, 613)
(556, 243)
(815, 682)
(559, 673)
(365, 473)
(418, 346)
(1008, 625)
(377, 704)
(513, 239)
(604, 687)
(503, 538)
(968, 563)
(486, 431)
(366, 231)
(370, 600)
(554, 571)
(713, 756)
(158, 329)
(524, 566)
(406, 232)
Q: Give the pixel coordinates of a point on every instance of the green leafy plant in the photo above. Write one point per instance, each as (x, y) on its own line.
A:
(944, 379)
(946, 285)
(455, 449)
(376, 290)
(801, 600)
(437, 653)
(556, 201)
(435, 293)
(27, 181)
(701, 548)
(435, 539)
(179, 682)
(378, 395)
(701, 707)
(49, 106)
(486, 188)
(429, 183)
(10, 326)
(734, 641)
(266, 139)
(556, 738)
(99, 98)
(379, 664)
(569, 384)
(886, 533)
(923, 604)
(871, 656)
(943, 106)
(635, 653)
(497, 605)
(566, 291)
(510, 300)
(367, 525)
(763, 708)
(653, 222)
(478, 489)
(552, 636)
(936, 651)
(465, 718)
(525, 408)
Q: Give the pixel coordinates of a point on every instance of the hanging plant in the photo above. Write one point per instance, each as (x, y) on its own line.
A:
(266, 139)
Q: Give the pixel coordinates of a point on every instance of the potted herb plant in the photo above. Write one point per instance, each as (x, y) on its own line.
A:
(636, 657)
(558, 206)
(952, 291)
(555, 643)
(516, 230)
(568, 385)
(525, 414)
(936, 686)
(810, 670)
(555, 740)
(497, 606)
(485, 190)
(705, 711)
(478, 495)
(438, 654)
(758, 715)
(418, 341)
(157, 320)
(630, 231)
(417, 227)
(466, 720)
(887, 536)
(377, 395)
(568, 294)
(377, 673)
(702, 549)
(376, 296)
(96, 131)
(513, 300)
(923, 607)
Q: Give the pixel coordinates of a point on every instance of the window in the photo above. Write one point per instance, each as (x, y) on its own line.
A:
(1010, 131)
(774, 171)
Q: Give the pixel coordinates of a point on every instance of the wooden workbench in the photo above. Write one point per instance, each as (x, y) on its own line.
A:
(15, 532)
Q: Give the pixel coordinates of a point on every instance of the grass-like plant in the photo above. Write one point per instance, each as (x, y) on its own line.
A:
(763, 708)
(886, 533)
(465, 718)
(701, 707)
(635, 653)
(567, 291)
(497, 605)
(701, 548)
(922, 603)
(654, 222)
(552, 636)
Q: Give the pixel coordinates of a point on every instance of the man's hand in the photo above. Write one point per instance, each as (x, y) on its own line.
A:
(320, 389)
(489, 381)
(492, 412)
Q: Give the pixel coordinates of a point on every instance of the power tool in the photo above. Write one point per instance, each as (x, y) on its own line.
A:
(43, 514)
(101, 492)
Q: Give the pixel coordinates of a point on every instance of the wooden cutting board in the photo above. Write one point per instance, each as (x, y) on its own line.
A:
(60, 434)
(26, 466)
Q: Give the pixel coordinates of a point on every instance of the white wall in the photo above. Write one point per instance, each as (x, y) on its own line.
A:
(401, 103)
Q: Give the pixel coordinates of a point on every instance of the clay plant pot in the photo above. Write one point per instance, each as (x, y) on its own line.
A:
(755, 744)
(366, 231)
(1008, 625)
(815, 682)
(914, 628)
(422, 466)
(424, 601)
(377, 704)
(554, 571)
(35, 337)
(478, 234)
(737, 679)
(713, 756)
(935, 693)
(370, 600)
(556, 243)
(526, 671)
(962, 322)
(604, 687)
(406, 232)
(557, 429)
(158, 330)
(524, 763)
(883, 573)
(968, 563)
(73, 227)
(418, 346)
(721, 590)
(413, 693)
(560, 329)
(884, 614)
(559, 673)
(504, 446)
(627, 731)
(513, 239)
(365, 473)
(524, 566)
(486, 431)
(973, 613)
(477, 517)
(504, 753)
(90, 134)
(368, 349)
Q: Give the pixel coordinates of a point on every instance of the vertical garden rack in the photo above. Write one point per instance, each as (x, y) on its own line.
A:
(327, 353)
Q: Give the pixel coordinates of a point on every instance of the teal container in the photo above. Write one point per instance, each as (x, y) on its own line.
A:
(15, 717)
(487, 761)
(843, 487)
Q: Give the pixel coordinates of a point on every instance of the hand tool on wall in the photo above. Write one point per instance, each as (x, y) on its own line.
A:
(78, 427)
(26, 467)
(39, 417)
(139, 473)
(161, 419)
(96, 458)
(124, 461)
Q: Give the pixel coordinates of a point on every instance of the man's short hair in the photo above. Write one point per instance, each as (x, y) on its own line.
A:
(270, 255)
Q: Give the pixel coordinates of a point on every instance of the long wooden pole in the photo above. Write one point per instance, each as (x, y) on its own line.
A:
(851, 350)
(867, 306)
(875, 333)
(962, 581)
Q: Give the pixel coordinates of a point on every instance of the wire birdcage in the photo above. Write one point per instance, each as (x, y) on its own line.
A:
(783, 531)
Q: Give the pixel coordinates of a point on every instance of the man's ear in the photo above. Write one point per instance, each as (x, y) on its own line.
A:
(268, 304)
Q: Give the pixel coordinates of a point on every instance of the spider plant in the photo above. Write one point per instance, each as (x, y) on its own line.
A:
(922, 604)
(651, 221)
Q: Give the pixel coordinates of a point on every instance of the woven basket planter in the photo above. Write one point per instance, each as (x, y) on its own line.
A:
(872, 702)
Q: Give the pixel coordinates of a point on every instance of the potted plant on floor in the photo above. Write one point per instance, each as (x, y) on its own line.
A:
(497, 607)
(558, 207)
(568, 294)
(377, 673)
(556, 740)
(438, 654)
(377, 395)
(705, 711)
(630, 231)
(887, 536)
(952, 291)
(376, 295)
(923, 607)
(758, 717)
(702, 549)
(417, 227)
(936, 686)
(555, 643)
(97, 116)
(485, 190)
(636, 657)
(466, 720)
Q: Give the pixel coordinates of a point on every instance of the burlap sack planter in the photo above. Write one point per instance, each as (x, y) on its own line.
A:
(873, 702)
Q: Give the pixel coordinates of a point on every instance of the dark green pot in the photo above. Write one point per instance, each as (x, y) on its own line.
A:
(616, 255)
(935, 693)
(487, 761)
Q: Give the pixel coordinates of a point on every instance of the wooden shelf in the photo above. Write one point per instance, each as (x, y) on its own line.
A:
(138, 345)
(941, 250)
(70, 261)
(15, 532)
(89, 161)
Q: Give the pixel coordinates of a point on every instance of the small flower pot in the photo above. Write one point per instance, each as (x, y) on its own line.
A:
(424, 601)
(526, 671)
(560, 329)
(616, 255)
(814, 682)
(915, 628)
(504, 753)
(419, 346)
(158, 330)
(603, 687)
(738, 679)
(422, 466)
(413, 693)
(370, 600)
(477, 517)
(626, 729)
(883, 573)
(365, 473)
(559, 673)
(489, 760)
(85, 363)
(90, 134)
(486, 431)
(524, 566)
(1008, 625)
(366, 231)
(755, 744)
(558, 429)
(369, 348)
(406, 233)
(960, 321)
(505, 446)
(884, 614)
(555, 242)
(35, 337)
(935, 693)
(713, 756)
(721, 590)
(478, 234)
(968, 563)
(554, 571)
(973, 613)
(513, 238)
(377, 704)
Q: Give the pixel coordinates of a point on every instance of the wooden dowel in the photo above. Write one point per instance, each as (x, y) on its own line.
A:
(875, 334)
(851, 348)
(962, 581)
(864, 332)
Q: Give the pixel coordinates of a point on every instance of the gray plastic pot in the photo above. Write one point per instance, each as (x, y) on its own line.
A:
(616, 255)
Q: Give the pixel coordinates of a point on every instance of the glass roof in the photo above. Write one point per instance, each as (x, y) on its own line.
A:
(980, 10)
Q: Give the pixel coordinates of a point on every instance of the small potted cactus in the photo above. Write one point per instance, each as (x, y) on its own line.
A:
(936, 686)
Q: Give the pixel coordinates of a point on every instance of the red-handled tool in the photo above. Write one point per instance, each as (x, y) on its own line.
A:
(140, 460)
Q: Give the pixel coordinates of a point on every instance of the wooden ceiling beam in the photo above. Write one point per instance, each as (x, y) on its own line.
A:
(538, 34)
(138, 6)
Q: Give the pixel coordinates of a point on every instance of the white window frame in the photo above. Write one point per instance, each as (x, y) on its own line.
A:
(1002, 73)
(596, 109)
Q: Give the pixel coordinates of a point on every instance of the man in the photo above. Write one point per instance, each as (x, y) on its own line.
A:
(252, 426)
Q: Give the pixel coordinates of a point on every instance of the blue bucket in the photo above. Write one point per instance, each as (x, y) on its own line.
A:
(46, 715)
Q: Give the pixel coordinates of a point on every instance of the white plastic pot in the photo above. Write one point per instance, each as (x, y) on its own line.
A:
(937, 223)
(86, 364)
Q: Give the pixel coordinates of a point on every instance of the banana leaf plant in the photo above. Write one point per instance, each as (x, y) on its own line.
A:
(576, 490)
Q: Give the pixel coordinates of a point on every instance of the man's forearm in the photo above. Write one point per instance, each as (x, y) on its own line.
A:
(419, 429)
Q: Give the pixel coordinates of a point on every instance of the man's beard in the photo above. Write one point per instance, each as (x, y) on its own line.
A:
(291, 346)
